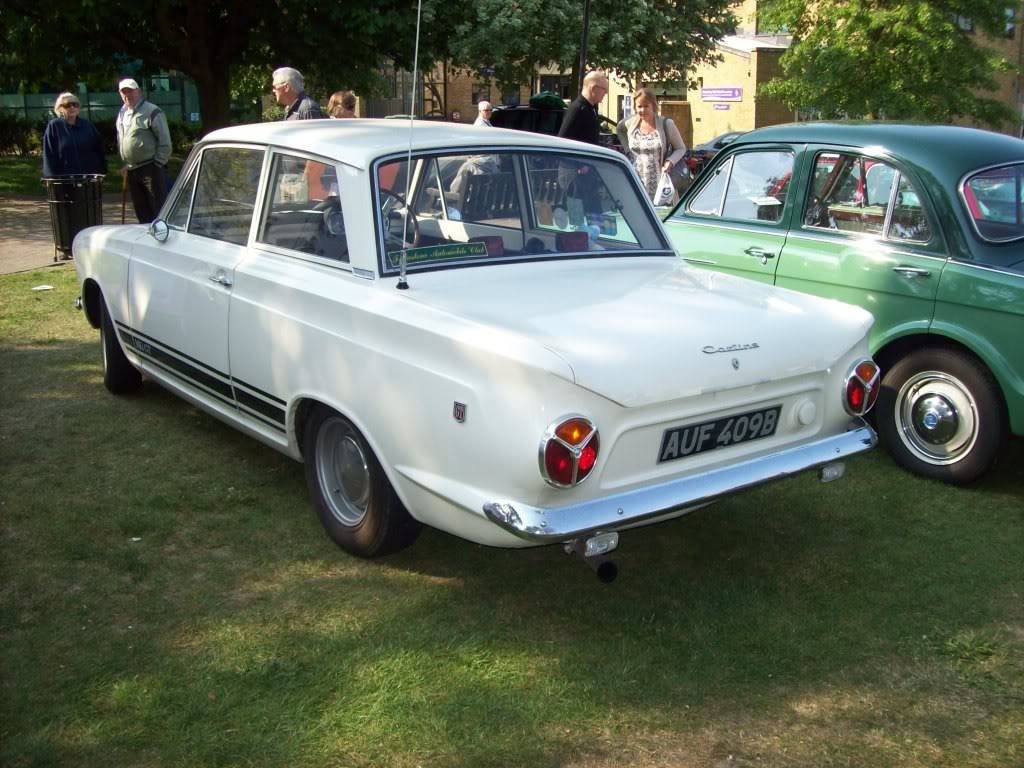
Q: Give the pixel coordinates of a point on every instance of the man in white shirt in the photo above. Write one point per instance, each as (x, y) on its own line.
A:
(484, 114)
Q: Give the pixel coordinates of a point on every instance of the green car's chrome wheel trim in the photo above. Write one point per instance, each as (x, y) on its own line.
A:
(937, 417)
(343, 471)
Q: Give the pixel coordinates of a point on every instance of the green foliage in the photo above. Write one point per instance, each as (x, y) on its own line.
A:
(655, 41)
(893, 59)
(18, 134)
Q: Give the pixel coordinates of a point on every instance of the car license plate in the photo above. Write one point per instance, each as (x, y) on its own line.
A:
(680, 442)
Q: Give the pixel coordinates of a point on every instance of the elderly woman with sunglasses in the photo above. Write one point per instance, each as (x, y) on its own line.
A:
(71, 144)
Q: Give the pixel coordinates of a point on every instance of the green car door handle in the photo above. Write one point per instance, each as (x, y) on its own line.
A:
(759, 253)
(912, 271)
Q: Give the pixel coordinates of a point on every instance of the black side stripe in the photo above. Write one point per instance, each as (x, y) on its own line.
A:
(251, 403)
(181, 367)
(239, 383)
(232, 396)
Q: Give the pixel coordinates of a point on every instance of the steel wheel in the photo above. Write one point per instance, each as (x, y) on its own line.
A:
(343, 472)
(350, 491)
(940, 413)
(938, 417)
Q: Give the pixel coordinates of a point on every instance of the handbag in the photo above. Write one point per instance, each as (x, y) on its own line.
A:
(665, 194)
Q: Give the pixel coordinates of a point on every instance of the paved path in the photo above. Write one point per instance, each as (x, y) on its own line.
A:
(26, 237)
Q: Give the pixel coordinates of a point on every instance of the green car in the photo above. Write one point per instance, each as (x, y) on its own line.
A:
(921, 225)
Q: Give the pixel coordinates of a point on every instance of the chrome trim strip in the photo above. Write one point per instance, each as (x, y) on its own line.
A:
(554, 524)
(891, 246)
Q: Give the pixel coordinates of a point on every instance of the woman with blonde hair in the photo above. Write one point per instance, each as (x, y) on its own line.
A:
(342, 104)
(71, 144)
(653, 143)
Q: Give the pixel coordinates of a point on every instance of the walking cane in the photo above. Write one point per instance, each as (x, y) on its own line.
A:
(124, 194)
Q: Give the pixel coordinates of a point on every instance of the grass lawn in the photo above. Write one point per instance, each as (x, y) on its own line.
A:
(20, 175)
(167, 598)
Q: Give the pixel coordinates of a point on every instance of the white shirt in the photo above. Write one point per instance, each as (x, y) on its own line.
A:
(481, 120)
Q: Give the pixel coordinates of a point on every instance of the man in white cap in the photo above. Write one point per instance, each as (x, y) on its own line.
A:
(484, 110)
(144, 142)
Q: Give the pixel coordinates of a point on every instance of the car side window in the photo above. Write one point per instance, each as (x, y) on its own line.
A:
(909, 222)
(178, 217)
(853, 193)
(750, 185)
(303, 209)
(225, 195)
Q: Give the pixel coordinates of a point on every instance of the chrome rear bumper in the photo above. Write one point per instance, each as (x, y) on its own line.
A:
(548, 525)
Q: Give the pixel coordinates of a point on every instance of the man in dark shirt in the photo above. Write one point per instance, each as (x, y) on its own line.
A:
(288, 85)
(580, 119)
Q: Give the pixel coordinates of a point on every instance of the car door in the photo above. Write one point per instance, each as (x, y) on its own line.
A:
(865, 234)
(289, 306)
(736, 222)
(179, 288)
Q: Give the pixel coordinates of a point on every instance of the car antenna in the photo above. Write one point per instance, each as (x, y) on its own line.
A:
(403, 284)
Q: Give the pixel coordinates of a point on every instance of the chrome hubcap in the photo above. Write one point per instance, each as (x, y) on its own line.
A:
(343, 472)
(937, 417)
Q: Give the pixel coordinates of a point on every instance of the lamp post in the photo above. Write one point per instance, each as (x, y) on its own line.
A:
(583, 45)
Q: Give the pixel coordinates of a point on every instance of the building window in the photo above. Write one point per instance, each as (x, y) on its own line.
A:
(560, 84)
(1011, 23)
(481, 92)
(966, 23)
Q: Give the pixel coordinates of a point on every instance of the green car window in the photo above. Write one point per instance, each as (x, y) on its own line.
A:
(750, 185)
(995, 201)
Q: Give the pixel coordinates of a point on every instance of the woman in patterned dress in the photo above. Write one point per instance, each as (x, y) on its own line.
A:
(653, 143)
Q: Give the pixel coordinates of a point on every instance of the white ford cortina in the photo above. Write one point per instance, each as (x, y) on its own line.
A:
(485, 331)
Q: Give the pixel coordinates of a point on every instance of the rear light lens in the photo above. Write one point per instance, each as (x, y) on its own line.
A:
(569, 451)
(862, 385)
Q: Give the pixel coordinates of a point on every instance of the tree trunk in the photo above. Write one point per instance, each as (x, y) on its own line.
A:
(214, 86)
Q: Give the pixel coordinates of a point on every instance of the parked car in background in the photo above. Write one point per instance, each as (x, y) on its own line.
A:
(921, 225)
(548, 121)
(494, 338)
(698, 156)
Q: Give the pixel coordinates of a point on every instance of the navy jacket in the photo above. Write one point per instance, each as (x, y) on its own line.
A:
(70, 149)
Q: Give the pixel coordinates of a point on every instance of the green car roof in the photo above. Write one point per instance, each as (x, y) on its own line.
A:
(948, 152)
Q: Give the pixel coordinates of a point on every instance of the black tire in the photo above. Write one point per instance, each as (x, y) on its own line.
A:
(940, 414)
(351, 494)
(119, 376)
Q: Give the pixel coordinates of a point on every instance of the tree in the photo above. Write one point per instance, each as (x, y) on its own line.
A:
(893, 59)
(658, 40)
(60, 42)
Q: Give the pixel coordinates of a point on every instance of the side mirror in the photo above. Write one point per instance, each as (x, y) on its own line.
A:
(159, 230)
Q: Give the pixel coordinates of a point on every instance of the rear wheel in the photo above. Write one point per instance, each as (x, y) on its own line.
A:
(940, 415)
(353, 498)
(119, 376)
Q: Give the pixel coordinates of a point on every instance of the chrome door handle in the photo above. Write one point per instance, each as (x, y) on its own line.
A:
(912, 271)
(222, 279)
(759, 253)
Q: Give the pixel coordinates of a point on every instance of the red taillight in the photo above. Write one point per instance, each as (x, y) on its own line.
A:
(862, 386)
(569, 451)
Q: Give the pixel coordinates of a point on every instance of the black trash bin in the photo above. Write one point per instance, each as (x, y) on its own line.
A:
(76, 202)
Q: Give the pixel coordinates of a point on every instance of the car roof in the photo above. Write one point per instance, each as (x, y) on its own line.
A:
(357, 142)
(947, 151)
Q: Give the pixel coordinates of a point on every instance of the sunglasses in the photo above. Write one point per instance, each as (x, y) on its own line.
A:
(71, 104)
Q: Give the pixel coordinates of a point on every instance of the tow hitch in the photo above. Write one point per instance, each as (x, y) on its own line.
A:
(594, 551)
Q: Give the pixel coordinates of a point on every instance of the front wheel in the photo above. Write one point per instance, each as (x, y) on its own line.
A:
(119, 376)
(351, 494)
(940, 415)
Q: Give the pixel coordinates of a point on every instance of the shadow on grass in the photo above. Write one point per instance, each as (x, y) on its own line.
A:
(170, 599)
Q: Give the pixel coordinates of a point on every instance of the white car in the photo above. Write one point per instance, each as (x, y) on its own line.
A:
(518, 357)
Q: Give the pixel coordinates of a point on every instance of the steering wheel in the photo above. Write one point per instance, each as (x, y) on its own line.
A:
(395, 241)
